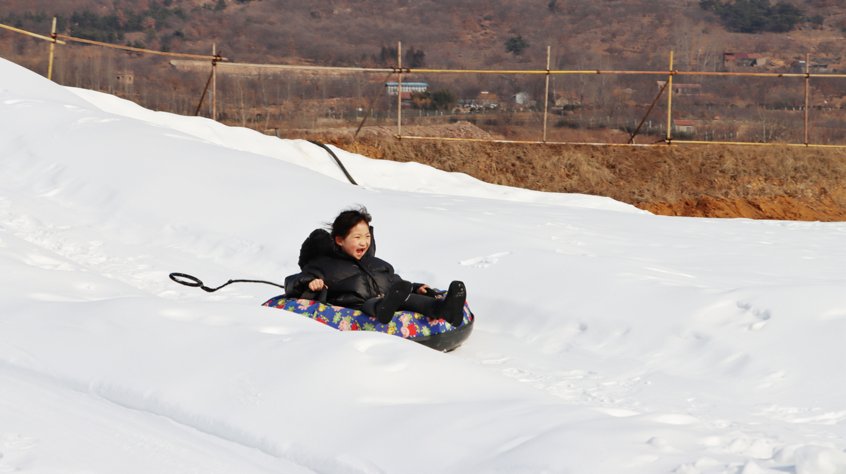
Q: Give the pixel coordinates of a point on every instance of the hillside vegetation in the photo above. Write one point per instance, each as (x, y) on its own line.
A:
(458, 33)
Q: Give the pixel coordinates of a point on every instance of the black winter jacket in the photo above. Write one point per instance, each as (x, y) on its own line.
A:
(351, 282)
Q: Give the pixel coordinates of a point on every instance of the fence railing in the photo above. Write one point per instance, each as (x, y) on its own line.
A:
(218, 63)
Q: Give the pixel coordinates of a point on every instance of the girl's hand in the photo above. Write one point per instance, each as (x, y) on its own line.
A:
(423, 289)
(316, 285)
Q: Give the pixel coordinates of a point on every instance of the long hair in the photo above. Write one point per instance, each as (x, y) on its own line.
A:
(348, 219)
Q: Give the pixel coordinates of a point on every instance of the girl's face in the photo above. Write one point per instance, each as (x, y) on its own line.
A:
(357, 241)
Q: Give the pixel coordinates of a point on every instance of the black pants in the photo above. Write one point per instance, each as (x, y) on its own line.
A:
(426, 305)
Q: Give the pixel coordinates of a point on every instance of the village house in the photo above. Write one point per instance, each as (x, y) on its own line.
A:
(680, 88)
(734, 61)
(410, 87)
(819, 66)
(487, 99)
(523, 99)
(125, 78)
(683, 126)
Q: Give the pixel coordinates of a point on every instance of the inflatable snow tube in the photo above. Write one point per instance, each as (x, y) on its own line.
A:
(434, 333)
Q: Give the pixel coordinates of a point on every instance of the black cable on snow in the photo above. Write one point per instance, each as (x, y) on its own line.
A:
(337, 160)
(195, 282)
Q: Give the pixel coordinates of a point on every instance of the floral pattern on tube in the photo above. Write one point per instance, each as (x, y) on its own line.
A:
(405, 324)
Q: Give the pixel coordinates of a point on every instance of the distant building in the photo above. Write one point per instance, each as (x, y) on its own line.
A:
(684, 126)
(523, 98)
(125, 78)
(486, 98)
(816, 67)
(680, 88)
(392, 87)
(733, 61)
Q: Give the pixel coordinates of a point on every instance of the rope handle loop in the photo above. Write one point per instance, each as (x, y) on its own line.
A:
(194, 282)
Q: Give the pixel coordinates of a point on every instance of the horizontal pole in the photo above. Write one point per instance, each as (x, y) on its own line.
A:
(521, 142)
(297, 67)
(553, 72)
(29, 33)
(656, 144)
(536, 72)
(758, 74)
(795, 145)
(141, 50)
(532, 72)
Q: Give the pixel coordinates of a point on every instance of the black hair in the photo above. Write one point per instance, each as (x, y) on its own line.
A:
(348, 219)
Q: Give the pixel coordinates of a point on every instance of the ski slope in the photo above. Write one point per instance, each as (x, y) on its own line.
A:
(608, 340)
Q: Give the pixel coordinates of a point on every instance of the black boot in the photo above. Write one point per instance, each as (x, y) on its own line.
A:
(388, 305)
(452, 307)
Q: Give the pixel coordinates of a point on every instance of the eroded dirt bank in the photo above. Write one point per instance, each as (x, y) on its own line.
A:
(683, 180)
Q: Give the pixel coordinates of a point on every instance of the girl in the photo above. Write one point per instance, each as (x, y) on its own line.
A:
(344, 264)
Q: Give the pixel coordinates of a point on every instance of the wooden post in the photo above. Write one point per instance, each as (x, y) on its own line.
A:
(214, 82)
(399, 88)
(52, 51)
(546, 93)
(670, 102)
(807, 92)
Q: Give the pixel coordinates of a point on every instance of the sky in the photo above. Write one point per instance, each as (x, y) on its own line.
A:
(607, 339)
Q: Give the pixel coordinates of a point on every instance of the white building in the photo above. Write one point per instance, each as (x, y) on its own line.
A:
(391, 87)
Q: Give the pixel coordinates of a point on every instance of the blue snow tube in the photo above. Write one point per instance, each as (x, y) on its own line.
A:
(434, 333)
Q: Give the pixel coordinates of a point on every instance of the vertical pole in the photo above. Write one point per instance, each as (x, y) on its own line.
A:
(546, 92)
(807, 92)
(399, 88)
(670, 102)
(214, 82)
(52, 51)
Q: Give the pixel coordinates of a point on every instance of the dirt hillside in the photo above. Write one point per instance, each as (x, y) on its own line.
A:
(790, 183)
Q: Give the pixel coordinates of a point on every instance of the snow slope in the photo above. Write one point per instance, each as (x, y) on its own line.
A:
(608, 340)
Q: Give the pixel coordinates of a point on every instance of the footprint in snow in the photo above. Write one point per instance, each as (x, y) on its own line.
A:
(484, 262)
(760, 317)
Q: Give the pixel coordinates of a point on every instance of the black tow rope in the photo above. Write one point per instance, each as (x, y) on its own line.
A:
(195, 282)
(337, 160)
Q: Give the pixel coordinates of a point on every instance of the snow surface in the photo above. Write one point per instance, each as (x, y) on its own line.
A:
(608, 340)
